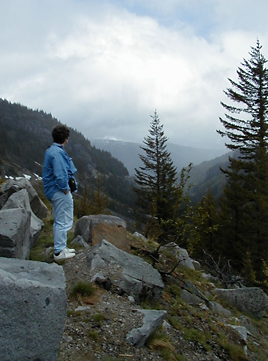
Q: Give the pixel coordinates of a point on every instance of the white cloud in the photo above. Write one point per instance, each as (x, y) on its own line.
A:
(104, 67)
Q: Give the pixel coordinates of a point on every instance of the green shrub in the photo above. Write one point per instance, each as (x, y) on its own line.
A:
(83, 289)
(93, 334)
(98, 317)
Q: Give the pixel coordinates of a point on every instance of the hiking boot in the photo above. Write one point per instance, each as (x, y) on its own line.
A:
(64, 254)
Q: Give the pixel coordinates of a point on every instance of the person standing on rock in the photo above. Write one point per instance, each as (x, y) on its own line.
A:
(59, 183)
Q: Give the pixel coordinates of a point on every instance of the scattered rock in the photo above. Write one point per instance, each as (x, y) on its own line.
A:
(152, 320)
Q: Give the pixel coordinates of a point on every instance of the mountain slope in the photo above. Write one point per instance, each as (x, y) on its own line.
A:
(128, 153)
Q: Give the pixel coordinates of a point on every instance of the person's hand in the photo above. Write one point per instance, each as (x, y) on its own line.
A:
(67, 191)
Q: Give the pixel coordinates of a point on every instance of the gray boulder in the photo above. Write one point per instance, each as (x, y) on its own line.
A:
(11, 186)
(252, 300)
(242, 332)
(194, 290)
(152, 320)
(79, 241)
(32, 310)
(95, 228)
(128, 272)
(20, 199)
(190, 298)
(218, 309)
(181, 254)
(15, 238)
(141, 236)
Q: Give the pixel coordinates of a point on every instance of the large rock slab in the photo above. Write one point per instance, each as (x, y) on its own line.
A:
(20, 199)
(32, 310)
(152, 320)
(15, 238)
(95, 228)
(252, 300)
(130, 273)
(11, 186)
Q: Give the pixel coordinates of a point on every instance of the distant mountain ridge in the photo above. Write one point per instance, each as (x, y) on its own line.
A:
(25, 135)
(128, 153)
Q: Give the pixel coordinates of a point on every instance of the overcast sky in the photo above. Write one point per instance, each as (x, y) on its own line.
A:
(103, 67)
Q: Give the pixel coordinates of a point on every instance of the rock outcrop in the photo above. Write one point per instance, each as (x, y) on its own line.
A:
(19, 225)
(20, 199)
(32, 310)
(11, 186)
(129, 273)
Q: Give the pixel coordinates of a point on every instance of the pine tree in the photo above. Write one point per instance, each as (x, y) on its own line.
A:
(156, 181)
(246, 193)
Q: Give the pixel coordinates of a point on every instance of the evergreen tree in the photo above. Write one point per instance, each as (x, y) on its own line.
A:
(246, 193)
(156, 188)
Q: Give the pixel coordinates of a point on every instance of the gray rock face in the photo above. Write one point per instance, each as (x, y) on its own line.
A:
(15, 233)
(95, 228)
(32, 310)
(11, 186)
(252, 299)
(130, 273)
(152, 320)
(20, 199)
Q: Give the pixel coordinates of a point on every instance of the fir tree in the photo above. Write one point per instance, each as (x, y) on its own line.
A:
(246, 196)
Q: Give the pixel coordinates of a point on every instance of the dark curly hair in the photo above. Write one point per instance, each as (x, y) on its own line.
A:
(60, 133)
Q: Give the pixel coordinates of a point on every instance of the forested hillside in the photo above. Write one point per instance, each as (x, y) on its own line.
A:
(26, 134)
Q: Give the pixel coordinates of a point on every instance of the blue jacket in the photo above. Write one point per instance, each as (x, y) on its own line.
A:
(58, 168)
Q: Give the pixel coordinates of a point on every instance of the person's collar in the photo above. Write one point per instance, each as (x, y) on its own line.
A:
(58, 145)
